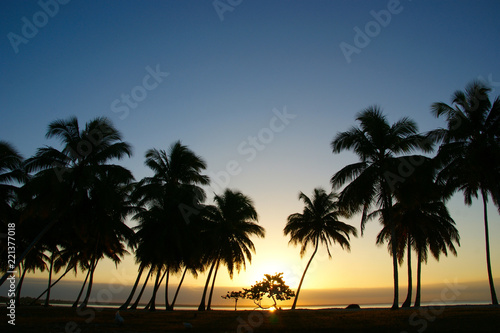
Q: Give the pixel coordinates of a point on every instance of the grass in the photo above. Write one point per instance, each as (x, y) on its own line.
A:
(426, 319)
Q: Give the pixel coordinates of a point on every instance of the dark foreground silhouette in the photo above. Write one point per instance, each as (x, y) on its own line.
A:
(429, 319)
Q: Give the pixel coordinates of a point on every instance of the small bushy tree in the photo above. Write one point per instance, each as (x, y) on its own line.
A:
(272, 286)
(236, 295)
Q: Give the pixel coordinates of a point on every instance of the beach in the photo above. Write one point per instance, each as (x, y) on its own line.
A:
(463, 318)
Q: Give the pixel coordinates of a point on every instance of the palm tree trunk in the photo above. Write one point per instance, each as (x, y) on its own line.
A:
(407, 302)
(53, 284)
(18, 288)
(129, 299)
(167, 305)
(81, 290)
(213, 284)
(494, 299)
(304, 274)
(419, 278)
(50, 279)
(387, 217)
(136, 303)
(179, 287)
(89, 287)
(152, 303)
(201, 307)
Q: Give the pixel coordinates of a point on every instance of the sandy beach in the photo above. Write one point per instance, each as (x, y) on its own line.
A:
(464, 318)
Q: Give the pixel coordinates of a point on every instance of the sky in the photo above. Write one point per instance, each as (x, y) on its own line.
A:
(258, 89)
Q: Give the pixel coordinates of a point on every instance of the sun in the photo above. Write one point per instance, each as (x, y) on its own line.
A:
(269, 266)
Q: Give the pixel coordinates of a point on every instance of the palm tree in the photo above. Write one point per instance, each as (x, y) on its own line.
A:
(10, 174)
(318, 223)
(70, 183)
(163, 228)
(470, 150)
(229, 224)
(371, 181)
(422, 221)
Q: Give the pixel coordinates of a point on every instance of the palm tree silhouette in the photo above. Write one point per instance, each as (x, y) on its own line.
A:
(372, 180)
(422, 222)
(318, 223)
(11, 172)
(229, 225)
(77, 193)
(163, 230)
(470, 150)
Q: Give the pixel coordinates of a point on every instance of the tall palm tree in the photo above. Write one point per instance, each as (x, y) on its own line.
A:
(108, 234)
(470, 150)
(371, 181)
(229, 224)
(176, 184)
(318, 223)
(422, 221)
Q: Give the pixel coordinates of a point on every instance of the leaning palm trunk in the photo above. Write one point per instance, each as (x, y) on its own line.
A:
(82, 289)
(419, 278)
(304, 274)
(494, 300)
(89, 287)
(213, 284)
(50, 279)
(178, 288)
(129, 299)
(53, 283)
(136, 303)
(167, 305)
(407, 302)
(152, 303)
(201, 307)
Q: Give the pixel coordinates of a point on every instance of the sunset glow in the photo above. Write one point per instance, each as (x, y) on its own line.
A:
(258, 93)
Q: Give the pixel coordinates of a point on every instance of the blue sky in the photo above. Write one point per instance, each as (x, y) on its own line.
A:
(227, 80)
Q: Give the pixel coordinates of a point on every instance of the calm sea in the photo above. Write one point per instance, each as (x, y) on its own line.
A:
(311, 307)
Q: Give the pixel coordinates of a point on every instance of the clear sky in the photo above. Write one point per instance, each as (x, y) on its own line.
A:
(258, 89)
